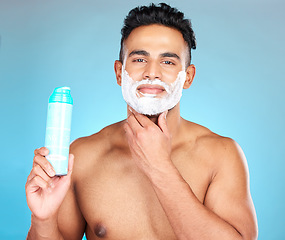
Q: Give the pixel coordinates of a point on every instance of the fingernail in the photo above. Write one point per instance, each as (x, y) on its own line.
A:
(51, 172)
(46, 151)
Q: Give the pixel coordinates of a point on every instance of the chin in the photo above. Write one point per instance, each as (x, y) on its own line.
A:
(156, 115)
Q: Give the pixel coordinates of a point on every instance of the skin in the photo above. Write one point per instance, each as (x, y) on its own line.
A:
(146, 178)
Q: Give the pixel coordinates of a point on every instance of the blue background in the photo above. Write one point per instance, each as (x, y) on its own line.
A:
(238, 90)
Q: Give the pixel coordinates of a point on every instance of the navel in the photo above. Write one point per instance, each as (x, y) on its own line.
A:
(100, 231)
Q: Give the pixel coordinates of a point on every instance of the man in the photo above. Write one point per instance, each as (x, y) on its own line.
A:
(154, 175)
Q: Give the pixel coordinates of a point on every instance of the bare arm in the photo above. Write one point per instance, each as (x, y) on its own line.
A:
(228, 212)
(44, 229)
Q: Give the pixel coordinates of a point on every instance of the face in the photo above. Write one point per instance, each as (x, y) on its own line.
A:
(153, 72)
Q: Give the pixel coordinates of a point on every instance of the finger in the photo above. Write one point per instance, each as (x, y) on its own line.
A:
(133, 123)
(36, 183)
(31, 175)
(162, 123)
(142, 119)
(133, 145)
(44, 164)
(41, 151)
(70, 163)
(68, 176)
(38, 171)
(128, 130)
(130, 136)
(63, 180)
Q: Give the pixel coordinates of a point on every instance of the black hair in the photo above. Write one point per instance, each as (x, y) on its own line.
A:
(161, 14)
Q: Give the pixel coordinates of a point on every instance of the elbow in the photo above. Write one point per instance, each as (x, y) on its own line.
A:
(252, 234)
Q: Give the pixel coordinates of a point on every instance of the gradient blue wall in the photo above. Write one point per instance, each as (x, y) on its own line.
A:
(238, 90)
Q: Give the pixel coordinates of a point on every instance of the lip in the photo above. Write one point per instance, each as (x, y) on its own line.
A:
(150, 89)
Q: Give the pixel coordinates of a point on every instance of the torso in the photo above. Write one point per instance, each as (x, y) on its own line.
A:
(117, 200)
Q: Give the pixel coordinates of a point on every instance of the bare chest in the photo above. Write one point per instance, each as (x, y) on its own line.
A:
(118, 201)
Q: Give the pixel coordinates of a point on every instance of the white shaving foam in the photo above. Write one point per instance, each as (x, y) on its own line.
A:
(150, 104)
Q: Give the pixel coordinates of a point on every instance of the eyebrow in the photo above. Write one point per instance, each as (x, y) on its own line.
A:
(139, 52)
(170, 54)
(145, 53)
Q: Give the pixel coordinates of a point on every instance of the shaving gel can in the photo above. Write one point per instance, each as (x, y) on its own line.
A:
(57, 138)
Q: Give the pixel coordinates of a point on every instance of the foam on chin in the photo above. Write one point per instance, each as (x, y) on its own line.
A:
(149, 104)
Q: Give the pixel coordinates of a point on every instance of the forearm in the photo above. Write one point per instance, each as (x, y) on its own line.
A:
(189, 218)
(44, 230)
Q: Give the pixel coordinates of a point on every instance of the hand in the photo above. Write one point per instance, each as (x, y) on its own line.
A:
(45, 191)
(150, 144)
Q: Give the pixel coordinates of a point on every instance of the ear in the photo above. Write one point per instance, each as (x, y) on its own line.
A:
(190, 74)
(118, 71)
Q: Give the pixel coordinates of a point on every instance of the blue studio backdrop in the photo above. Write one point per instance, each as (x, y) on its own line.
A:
(238, 90)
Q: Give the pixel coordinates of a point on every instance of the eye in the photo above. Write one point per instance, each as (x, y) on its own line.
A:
(139, 60)
(168, 62)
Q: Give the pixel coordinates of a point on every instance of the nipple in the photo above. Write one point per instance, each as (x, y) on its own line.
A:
(100, 231)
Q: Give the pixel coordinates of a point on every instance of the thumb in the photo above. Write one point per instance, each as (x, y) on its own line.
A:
(162, 122)
(63, 182)
(70, 163)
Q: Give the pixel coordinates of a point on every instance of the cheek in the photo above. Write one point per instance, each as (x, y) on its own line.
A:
(169, 77)
(134, 68)
(135, 75)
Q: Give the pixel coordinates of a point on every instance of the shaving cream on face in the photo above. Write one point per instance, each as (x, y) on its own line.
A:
(151, 104)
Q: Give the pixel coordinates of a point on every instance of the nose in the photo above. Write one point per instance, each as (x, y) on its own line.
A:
(152, 71)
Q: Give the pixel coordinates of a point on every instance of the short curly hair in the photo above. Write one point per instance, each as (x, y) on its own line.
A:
(161, 14)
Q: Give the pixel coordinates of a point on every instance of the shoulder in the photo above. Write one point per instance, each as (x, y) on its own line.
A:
(216, 148)
(102, 140)
(228, 193)
(222, 154)
(90, 149)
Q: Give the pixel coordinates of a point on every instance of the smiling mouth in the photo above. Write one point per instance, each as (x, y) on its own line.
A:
(152, 90)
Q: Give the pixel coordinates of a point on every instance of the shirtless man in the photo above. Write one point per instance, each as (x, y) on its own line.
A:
(154, 175)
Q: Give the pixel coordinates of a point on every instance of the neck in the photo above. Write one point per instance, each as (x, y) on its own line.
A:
(154, 119)
(173, 121)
